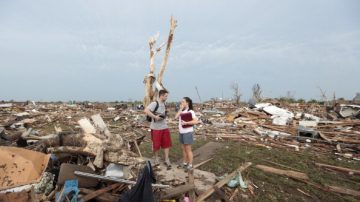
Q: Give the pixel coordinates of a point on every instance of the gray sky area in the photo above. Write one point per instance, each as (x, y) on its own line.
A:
(98, 50)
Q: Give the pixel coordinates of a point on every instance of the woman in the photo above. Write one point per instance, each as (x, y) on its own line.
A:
(187, 119)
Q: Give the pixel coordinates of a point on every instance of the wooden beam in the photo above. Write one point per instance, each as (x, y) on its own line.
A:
(288, 173)
(342, 190)
(192, 195)
(342, 169)
(222, 182)
(100, 177)
(174, 192)
(202, 163)
(137, 148)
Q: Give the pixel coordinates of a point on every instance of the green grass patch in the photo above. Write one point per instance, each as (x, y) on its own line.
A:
(279, 188)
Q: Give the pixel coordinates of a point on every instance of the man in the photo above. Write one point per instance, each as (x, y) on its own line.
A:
(160, 133)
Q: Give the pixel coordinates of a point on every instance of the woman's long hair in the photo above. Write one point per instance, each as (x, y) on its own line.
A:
(190, 103)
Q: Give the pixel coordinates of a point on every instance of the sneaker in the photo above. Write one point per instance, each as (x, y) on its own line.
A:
(168, 164)
(156, 161)
(188, 167)
(182, 165)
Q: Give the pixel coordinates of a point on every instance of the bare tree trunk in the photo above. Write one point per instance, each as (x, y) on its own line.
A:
(149, 80)
(167, 52)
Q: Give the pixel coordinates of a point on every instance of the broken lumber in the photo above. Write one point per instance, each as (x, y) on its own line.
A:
(111, 179)
(99, 123)
(342, 190)
(288, 173)
(337, 168)
(86, 126)
(177, 191)
(102, 197)
(100, 191)
(222, 182)
(202, 163)
(191, 181)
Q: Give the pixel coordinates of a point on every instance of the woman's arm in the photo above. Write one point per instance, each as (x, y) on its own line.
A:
(181, 108)
(192, 122)
(178, 114)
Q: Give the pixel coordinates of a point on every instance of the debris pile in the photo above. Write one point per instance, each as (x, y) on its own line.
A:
(296, 126)
(44, 145)
(91, 151)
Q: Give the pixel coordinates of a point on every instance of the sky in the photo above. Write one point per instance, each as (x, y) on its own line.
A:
(98, 50)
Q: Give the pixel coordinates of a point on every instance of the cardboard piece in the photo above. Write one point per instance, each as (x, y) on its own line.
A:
(20, 166)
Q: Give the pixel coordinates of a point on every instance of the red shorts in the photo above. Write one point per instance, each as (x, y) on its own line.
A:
(160, 138)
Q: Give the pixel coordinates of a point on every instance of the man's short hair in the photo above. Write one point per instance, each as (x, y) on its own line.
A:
(162, 92)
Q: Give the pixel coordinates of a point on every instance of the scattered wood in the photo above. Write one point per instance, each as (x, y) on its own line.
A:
(99, 192)
(86, 126)
(222, 182)
(177, 191)
(137, 148)
(192, 195)
(111, 179)
(342, 190)
(301, 191)
(337, 168)
(278, 164)
(234, 194)
(100, 124)
(288, 173)
(202, 163)
(104, 197)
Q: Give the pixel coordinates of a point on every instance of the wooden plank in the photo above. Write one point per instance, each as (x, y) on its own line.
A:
(99, 123)
(86, 126)
(342, 169)
(100, 191)
(288, 173)
(192, 195)
(174, 192)
(100, 177)
(137, 148)
(342, 190)
(205, 152)
(102, 197)
(202, 163)
(222, 182)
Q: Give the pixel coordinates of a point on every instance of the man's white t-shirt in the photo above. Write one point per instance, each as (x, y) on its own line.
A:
(189, 129)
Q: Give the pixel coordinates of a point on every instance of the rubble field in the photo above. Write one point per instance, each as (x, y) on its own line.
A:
(269, 151)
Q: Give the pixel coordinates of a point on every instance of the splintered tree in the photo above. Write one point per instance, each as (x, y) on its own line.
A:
(236, 92)
(150, 80)
(256, 89)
